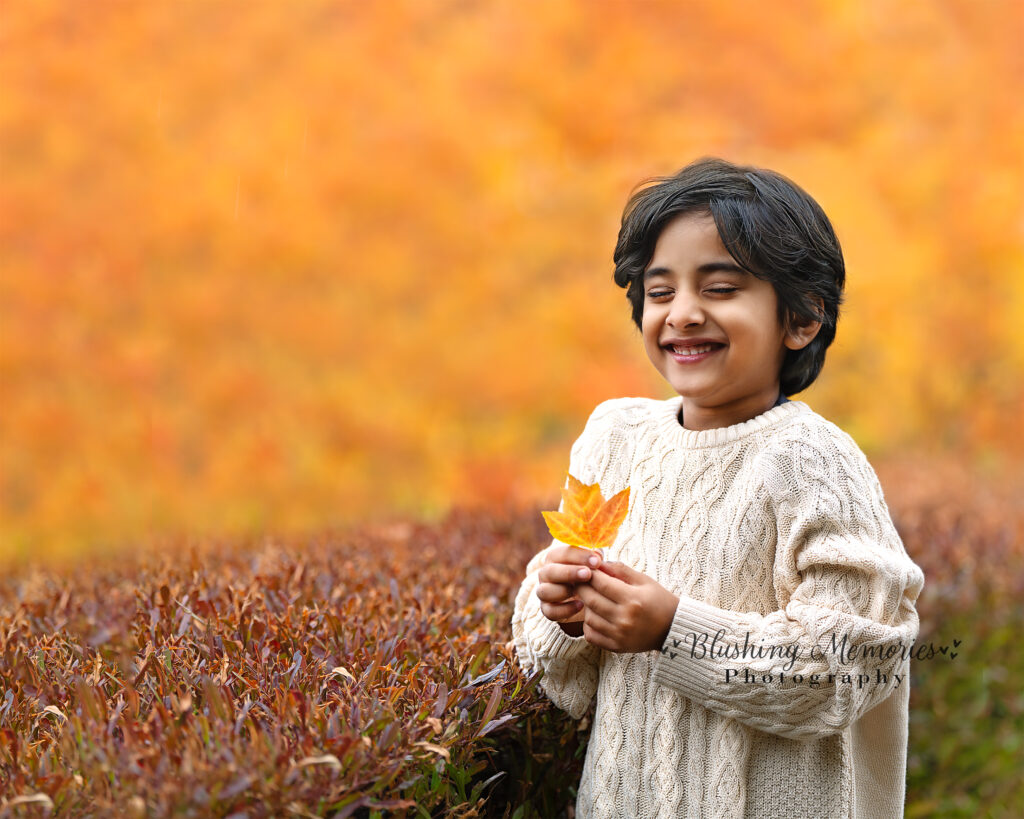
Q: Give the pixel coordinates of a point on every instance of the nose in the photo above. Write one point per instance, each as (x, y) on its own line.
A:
(686, 310)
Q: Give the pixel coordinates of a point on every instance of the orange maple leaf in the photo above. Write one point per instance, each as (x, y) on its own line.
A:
(587, 520)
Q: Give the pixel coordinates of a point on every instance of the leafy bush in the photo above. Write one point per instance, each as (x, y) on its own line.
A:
(369, 672)
(966, 713)
(345, 677)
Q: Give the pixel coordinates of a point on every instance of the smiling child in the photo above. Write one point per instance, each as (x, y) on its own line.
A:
(747, 634)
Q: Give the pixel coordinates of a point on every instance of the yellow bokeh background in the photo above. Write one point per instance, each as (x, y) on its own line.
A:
(274, 267)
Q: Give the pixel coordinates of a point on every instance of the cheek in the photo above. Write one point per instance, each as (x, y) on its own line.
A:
(648, 325)
(651, 335)
(762, 327)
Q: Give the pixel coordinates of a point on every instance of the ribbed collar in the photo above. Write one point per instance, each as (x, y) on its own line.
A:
(676, 435)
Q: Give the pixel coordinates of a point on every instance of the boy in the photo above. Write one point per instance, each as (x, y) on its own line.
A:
(747, 635)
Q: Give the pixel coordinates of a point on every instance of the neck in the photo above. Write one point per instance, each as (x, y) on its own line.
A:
(697, 416)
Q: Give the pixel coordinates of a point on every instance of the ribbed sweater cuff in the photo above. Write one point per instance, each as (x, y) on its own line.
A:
(679, 666)
(550, 641)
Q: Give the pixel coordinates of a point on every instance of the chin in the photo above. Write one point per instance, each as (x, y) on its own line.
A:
(689, 390)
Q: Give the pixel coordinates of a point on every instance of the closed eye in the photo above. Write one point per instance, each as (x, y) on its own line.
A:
(657, 294)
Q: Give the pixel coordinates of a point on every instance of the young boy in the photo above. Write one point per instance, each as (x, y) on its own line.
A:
(747, 635)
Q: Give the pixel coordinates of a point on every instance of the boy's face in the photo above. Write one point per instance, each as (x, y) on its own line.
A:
(695, 292)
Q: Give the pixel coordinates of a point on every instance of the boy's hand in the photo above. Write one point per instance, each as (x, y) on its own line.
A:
(564, 567)
(625, 610)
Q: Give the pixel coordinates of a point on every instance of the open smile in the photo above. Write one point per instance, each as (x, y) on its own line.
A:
(693, 355)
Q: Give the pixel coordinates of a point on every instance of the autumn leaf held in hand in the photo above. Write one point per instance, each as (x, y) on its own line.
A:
(587, 520)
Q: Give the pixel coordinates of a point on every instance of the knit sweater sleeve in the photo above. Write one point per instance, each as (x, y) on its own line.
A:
(569, 664)
(847, 592)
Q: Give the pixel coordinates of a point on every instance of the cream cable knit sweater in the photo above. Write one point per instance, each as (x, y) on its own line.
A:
(775, 534)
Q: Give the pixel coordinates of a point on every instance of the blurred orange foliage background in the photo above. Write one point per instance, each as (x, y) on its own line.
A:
(276, 267)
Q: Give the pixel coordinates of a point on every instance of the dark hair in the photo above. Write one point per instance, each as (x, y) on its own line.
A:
(771, 227)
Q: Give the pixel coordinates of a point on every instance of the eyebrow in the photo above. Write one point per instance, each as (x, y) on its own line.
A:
(703, 270)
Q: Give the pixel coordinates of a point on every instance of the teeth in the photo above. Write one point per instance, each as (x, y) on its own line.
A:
(693, 350)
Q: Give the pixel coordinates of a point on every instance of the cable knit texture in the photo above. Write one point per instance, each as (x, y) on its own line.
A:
(773, 533)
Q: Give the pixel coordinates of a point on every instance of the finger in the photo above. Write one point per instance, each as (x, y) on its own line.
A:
(599, 623)
(555, 592)
(616, 590)
(574, 555)
(599, 631)
(595, 601)
(559, 612)
(597, 640)
(623, 572)
(564, 573)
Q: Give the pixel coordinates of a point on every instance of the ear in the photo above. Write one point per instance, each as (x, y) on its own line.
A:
(800, 335)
